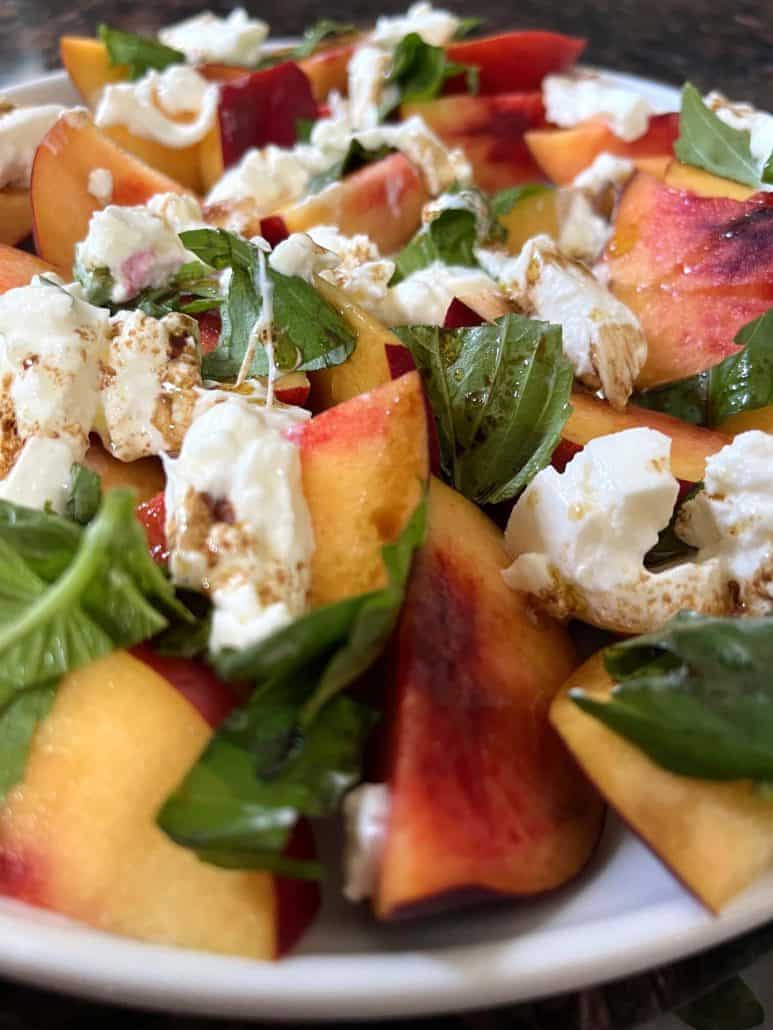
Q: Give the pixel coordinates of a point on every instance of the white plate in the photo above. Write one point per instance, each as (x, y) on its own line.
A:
(624, 914)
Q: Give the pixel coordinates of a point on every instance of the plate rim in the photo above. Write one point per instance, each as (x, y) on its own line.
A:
(42, 948)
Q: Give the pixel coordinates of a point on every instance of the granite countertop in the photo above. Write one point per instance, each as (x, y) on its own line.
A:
(726, 44)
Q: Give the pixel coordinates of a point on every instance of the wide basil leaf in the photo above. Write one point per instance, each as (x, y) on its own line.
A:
(707, 142)
(500, 394)
(419, 72)
(45, 543)
(139, 53)
(696, 696)
(296, 746)
(450, 238)
(504, 201)
(356, 157)
(309, 334)
(741, 382)
(84, 494)
(19, 718)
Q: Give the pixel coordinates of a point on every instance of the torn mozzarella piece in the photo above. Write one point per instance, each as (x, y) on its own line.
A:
(571, 99)
(367, 71)
(360, 271)
(21, 131)
(179, 211)
(578, 538)
(602, 337)
(439, 166)
(268, 179)
(51, 344)
(744, 117)
(423, 298)
(150, 377)
(731, 519)
(176, 107)
(366, 812)
(606, 171)
(299, 255)
(237, 39)
(237, 521)
(100, 185)
(584, 209)
(435, 26)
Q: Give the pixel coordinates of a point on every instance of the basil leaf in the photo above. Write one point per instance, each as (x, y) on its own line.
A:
(741, 382)
(309, 334)
(450, 238)
(320, 32)
(500, 395)
(303, 127)
(670, 547)
(139, 53)
(188, 637)
(45, 543)
(19, 718)
(419, 72)
(84, 494)
(707, 142)
(696, 696)
(356, 157)
(503, 202)
(296, 747)
(467, 26)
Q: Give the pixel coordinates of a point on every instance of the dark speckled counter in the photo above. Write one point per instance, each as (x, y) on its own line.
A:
(726, 44)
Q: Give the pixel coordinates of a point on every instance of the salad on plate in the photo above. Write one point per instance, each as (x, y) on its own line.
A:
(386, 443)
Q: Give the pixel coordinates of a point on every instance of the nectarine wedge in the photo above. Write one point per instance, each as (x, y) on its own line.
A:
(17, 267)
(79, 836)
(72, 149)
(145, 477)
(693, 269)
(716, 837)
(15, 216)
(87, 62)
(513, 61)
(484, 797)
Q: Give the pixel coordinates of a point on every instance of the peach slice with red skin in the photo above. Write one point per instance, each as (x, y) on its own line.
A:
(17, 267)
(686, 821)
(15, 216)
(694, 269)
(484, 797)
(490, 130)
(513, 61)
(69, 152)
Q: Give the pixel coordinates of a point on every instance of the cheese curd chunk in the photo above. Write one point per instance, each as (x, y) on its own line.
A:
(149, 381)
(51, 344)
(21, 131)
(237, 521)
(176, 107)
(571, 99)
(579, 538)
(360, 271)
(602, 337)
(134, 246)
(423, 298)
(237, 39)
(731, 520)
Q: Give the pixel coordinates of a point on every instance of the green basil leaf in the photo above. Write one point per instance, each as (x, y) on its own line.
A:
(767, 171)
(503, 202)
(500, 395)
(45, 543)
(19, 718)
(467, 26)
(449, 238)
(139, 53)
(419, 72)
(356, 157)
(670, 546)
(741, 382)
(696, 696)
(303, 127)
(296, 746)
(188, 637)
(309, 334)
(707, 142)
(84, 494)
(320, 32)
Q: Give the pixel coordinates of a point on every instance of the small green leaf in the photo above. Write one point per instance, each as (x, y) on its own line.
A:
(467, 26)
(707, 142)
(503, 202)
(138, 53)
(84, 494)
(732, 1005)
(450, 238)
(321, 31)
(419, 72)
(19, 718)
(356, 157)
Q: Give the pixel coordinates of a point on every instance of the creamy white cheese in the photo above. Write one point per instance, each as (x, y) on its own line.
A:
(742, 116)
(579, 538)
(435, 26)
(604, 172)
(366, 813)
(100, 185)
(360, 271)
(571, 99)
(300, 255)
(732, 519)
(423, 298)
(21, 130)
(175, 107)
(180, 211)
(602, 338)
(137, 248)
(237, 521)
(51, 345)
(236, 39)
(582, 231)
(439, 166)
(270, 177)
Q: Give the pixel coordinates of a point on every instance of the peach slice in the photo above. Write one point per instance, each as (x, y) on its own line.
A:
(758, 418)
(15, 216)
(71, 149)
(364, 464)
(693, 269)
(563, 153)
(513, 61)
(327, 70)
(145, 477)
(17, 267)
(484, 797)
(78, 835)
(490, 130)
(687, 822)
(686, 177)
(87, 63)
(690, 445)
(535, 213)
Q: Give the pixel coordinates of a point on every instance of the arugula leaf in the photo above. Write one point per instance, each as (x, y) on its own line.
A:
(356, 157)
(296, 747)
(500, 395)
(139, 53)
(696, 696)
(467, 26)
(19, 718)
(84, 494)
(98, 590)
(309, 334)
(503, 202)
(741, 382)
(707, 142)
(419, 72)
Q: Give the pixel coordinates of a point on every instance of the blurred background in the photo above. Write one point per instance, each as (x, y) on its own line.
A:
(720, 44)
